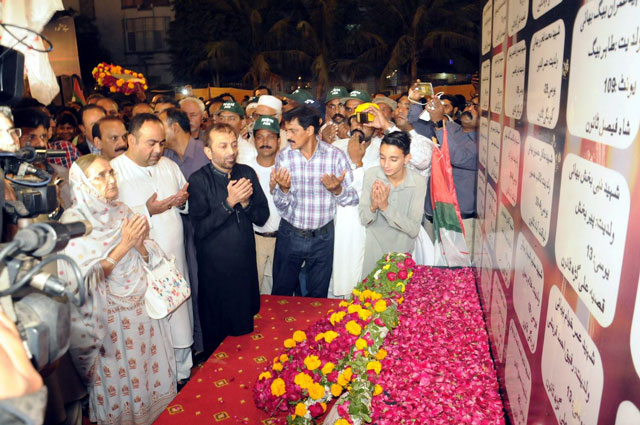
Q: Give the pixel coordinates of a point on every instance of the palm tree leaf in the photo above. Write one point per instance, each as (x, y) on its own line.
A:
(443, 40)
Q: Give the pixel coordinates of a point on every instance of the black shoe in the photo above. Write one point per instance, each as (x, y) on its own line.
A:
(182, 383)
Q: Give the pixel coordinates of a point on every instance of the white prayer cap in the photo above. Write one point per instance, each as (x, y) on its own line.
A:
(271, 102)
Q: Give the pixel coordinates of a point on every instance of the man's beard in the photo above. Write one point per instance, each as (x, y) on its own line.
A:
(363, 138)
(466, 114)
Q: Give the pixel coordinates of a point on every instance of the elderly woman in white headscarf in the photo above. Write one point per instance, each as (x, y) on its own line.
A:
(124, 357)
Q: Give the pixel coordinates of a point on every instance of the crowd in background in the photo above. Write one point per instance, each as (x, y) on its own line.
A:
(285, 195)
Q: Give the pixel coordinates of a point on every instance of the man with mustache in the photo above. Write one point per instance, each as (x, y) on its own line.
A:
(226, 202)
(266, 134)
(335, 126)
(109, 136)
(154, 186)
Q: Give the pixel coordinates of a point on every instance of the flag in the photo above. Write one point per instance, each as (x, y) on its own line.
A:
(78, 95)
(450, 248)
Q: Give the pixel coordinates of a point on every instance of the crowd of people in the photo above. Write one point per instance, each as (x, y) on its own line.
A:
(274, 195)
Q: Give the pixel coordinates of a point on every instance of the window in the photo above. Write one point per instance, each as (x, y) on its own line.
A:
(146, 34)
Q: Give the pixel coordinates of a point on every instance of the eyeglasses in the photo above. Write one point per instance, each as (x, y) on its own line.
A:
(475, 105)
(13, 132)
(32, 137)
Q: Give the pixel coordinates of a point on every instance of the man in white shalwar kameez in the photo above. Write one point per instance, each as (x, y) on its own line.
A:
(363, 151)
(154, 186)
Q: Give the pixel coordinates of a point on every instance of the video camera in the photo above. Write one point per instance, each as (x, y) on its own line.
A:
(35, 193)
(36, 300)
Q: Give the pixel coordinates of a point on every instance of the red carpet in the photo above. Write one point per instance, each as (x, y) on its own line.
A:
(221, 391)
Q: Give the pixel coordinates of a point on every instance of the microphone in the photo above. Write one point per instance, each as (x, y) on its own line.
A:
(41, 239)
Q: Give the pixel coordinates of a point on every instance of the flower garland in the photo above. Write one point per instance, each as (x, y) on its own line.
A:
(118, 79)
(338, 353)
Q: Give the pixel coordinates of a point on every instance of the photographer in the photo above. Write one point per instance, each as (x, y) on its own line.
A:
(34, 126)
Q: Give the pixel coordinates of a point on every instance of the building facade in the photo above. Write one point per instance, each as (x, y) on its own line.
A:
(135, 33)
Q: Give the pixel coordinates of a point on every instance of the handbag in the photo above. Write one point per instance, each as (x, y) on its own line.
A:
(166, 290)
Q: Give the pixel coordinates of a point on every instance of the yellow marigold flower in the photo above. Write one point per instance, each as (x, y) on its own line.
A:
(364, 314)
(112, 89)
(324, 406)
(130, 85)
(348, 373)
(375, 366)
(299, 336)
(344, 303)
(353, 328)
(361, 344)
(312, 362)
(400, 300)
(377, 390)
(381, 354)
(337, 317)
(328, 368)
(401, 285)
(336, 390)
(380, 306)
(277, 387)
(289, 343)
(284, 358)
(330, 336)
(386, 267)
(264, 375)
(146, 86)
(319, 337)
(120, 82)
(357, 292)
(354, 308)
(277, 367)
(316, 391)
(342, 380)
(102, 75)
(409, 274)
(303, 380)
(301, 409)
(342, 422)
(375, 296)
(366, 294)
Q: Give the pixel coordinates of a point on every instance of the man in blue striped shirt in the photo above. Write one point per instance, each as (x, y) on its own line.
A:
(310, 178)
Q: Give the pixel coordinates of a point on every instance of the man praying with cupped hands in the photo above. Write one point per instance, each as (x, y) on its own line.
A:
(311, 177)
(226, 200)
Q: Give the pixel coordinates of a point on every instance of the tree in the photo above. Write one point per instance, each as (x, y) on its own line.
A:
(429, 30)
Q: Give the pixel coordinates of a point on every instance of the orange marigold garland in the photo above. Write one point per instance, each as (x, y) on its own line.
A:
(117, 79)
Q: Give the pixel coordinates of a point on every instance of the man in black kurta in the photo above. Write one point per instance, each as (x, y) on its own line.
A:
(225, 200)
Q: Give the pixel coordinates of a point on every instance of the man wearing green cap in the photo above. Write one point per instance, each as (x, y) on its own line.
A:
(355, 98)
(299, 97)
(335, 119)
(266, 135)
(232, 113)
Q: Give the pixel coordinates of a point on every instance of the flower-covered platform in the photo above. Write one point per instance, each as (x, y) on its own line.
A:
(410, 347)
